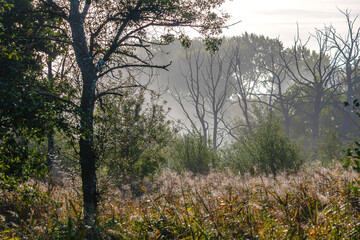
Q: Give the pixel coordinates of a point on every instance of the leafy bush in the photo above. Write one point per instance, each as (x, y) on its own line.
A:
(190, 152)
(18, 163)
(330, 146)
(131, 135)
(266, 148)
(353, 160)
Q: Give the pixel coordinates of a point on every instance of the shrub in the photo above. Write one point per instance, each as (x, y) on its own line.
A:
(330, 146)
(266, 148)
(191, 152)
(132, 132)
(353, 161)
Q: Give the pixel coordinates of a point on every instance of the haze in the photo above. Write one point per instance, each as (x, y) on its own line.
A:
(279, 18)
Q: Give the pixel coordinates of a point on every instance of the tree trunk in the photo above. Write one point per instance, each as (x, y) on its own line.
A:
(87, 152)
(86, 141)
(247, 118)
(215, 130)
(287, 124)
(51, 159)
(349, 99)
(316, 126)
(316, 115)
(51, 141)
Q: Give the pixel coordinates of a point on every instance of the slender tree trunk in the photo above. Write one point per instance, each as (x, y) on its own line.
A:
(51, 159)
(287, 124)
(316, 124)
(247, 118)
(50, 137)
(349, 99)
(316, 116)
(204, 129)
(215, 131)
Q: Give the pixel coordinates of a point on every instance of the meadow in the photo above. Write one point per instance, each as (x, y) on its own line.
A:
(314, 203)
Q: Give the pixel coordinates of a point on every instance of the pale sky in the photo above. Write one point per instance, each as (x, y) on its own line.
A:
(279, 18)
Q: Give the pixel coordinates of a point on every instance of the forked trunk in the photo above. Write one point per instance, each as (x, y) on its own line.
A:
(86, 141)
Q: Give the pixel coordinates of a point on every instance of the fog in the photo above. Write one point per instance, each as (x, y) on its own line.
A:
(302, 85)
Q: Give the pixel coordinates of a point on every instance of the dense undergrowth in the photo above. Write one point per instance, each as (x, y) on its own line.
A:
(315, 203)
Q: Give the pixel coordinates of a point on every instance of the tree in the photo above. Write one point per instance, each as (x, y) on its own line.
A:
(276, 83)
(106, 36)
(24, 112)
(315, 77)
(131, 134)
(347, 49)
(208, 81)
(247, 54)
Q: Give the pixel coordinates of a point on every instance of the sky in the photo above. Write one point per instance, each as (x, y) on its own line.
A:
(280, 18)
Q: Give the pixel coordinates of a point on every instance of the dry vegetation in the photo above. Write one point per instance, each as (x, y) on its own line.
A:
(312, 204)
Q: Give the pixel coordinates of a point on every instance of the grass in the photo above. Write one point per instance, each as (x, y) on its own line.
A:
(312, 204)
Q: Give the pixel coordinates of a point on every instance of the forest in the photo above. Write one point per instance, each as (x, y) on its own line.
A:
(116, 123)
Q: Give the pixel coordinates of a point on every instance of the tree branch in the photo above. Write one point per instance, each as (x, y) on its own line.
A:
(135, 65)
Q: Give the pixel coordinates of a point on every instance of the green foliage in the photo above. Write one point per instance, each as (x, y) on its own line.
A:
(190, 152)
(266, 148)
(131, 135)
(212, 44)
(353, 160)
(18, 162)
(25, 115)
(330, 147)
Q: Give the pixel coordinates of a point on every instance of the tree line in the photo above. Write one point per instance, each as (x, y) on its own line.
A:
(311, 91)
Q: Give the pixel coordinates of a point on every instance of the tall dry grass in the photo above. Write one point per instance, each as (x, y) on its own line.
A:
(312, 204)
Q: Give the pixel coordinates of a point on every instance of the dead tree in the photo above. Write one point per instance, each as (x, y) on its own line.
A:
(347, 49)
(206, 98)
(315, 78)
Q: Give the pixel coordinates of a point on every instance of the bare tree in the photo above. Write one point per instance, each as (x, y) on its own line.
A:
(315, 77)
(347, 48)
(208, 90)
(247, 73)
(277, 82)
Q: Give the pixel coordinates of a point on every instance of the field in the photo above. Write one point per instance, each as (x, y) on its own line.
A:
(311, 204)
